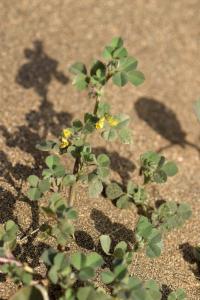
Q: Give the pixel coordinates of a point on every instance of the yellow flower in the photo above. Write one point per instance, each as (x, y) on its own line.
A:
(100, 123)
(112, 121)
(67, 132)
(64, 143)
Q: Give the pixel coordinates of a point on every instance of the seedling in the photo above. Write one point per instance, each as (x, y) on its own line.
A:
(75, 273)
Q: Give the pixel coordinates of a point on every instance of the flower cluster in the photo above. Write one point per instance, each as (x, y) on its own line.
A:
(111, 121)
(64, 140)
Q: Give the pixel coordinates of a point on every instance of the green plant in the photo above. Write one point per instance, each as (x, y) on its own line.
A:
(75, 274)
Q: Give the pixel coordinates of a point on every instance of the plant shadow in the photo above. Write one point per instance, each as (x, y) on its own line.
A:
(164, 121)
(165, 290)
(36, 73)
(188, 255)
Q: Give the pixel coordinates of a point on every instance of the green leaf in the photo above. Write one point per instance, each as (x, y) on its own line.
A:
(197, 109)
(94, 260)
(144, 228)
(125, 135)
(95, 187)
(127, 64)
(77, 125)
(102, 109)
(110, 135)
(34, 194)
(52, 160)
(103, 160)
(113, 191)
(69, 179)
(179, 294)
(78, 260)
(123, 120)
(48, 256)
(31, 293)
(105, 242)
(53, 274)
(103, 173)
(170, 168)
(184, 210)
(98, 66)
(120, 53)
(46, 145)
(152, 290)
(33, 180)
(107, 52)
(151, 156)
(155, 245)
(160, 176)
(120, 249)
(116, 42)
(123, 202)
(120, 79)
(120, 272)
(86, 273)
(89, 293)
(44, 185)
(136, 77)
(78, 68)
(107, 277)
(59, 171)
(81, 82)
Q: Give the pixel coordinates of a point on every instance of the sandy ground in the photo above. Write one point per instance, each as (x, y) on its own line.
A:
(39, 40)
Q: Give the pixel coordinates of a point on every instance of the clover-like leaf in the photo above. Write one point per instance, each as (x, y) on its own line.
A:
(113, 191)
(33, 180)
(95, 187)
(179, 294)
(78, 68)
(34, 194)
(107, 277)
(52, 160)
(69, 179)
(110, 134)
(103, 160)
(170, 168)
(154, 244)
(44, 185)
(120, 79)
(127, 64)
(136, 77)
(105, 242)
(123, 201)
(125, 135)
(81, 81)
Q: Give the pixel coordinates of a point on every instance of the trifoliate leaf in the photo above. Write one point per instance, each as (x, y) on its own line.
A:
(120, 79)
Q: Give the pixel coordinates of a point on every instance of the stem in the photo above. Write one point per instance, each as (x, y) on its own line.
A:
(96, 106)
(72, 190)
(77, 164)
(27, 236)
(5, 260)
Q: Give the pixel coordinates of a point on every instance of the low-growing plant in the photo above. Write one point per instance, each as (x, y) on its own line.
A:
(75, 273)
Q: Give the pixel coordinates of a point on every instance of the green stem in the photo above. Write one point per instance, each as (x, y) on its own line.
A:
(72, 190)
(78, 164)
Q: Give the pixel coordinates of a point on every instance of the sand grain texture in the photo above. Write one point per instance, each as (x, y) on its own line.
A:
(39, 41)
